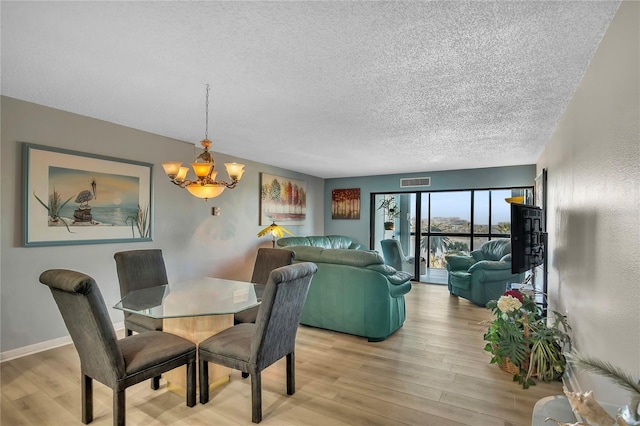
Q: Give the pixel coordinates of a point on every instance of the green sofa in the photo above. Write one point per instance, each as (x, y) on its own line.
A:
(323, 241)
(484, 275)
(353, 292)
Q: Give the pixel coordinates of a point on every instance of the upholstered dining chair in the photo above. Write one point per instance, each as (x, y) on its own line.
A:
(267, 259)
(116, 363)
(138, 269)
(252, 347)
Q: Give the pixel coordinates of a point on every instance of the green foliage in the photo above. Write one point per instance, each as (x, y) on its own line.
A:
(606, 369)
(275, 190)
(391, 209)
(55, 206)
(141, 222)
(528, 340)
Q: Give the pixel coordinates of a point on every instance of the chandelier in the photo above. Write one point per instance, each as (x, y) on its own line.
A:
(205, 185)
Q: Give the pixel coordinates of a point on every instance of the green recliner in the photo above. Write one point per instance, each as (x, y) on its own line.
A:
(485, 274)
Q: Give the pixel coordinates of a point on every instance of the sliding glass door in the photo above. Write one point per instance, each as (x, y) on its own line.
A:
(434, 224)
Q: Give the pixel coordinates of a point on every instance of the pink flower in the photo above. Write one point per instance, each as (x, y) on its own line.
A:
(515, 294)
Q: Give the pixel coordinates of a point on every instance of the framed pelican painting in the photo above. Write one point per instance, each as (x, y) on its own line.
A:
(71, 197)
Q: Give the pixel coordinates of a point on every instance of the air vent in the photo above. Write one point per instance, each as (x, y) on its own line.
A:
(411, 182)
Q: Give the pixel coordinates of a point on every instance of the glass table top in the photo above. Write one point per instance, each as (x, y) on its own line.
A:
(195, 297)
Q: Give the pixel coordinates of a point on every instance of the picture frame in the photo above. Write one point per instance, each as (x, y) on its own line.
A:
(282, 200)
(71, 197)
(345, 203)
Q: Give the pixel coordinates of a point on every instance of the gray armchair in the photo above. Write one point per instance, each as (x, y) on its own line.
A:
(117, 364)
(267, 260)
(250, 347)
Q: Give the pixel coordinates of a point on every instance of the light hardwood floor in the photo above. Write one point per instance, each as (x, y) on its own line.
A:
(433, 371)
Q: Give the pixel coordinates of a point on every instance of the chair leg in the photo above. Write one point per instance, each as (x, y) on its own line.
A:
(291, 374)
(118, 407)
(191, 384)
(203, 368)
(256, 398)
(87, 399)
(155, 383)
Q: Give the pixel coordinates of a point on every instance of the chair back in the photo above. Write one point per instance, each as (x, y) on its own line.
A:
(392, 253)
(495, 249)
(138, 269)
(85, 315)
(279, 313)
(267, 260)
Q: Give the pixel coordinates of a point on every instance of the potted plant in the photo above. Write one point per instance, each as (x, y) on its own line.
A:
(391, 212)
(523, 342)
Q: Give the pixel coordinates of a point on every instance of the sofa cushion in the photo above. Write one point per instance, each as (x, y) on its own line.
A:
(358, 258)
(493, 250)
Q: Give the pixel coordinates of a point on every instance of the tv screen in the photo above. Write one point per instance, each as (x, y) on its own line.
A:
(527, 238)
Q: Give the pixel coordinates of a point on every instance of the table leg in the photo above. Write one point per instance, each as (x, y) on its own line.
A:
(197, 329)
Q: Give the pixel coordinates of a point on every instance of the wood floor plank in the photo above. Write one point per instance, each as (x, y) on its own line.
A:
(432, 371)
(11, 415)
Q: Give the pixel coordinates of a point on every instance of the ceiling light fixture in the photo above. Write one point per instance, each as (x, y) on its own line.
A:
(205, 185)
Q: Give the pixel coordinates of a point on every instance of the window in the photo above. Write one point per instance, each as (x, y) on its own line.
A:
(438, 223)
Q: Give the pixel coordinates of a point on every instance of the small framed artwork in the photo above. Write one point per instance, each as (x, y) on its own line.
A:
(345, 203)
(282, 200)
(71, 197)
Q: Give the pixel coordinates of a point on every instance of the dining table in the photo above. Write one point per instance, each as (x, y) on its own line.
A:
(195, 309)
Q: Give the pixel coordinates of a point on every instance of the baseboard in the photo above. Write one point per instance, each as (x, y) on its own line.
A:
(43, 346)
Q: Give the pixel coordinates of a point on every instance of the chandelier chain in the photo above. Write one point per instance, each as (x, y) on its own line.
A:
(206, 126)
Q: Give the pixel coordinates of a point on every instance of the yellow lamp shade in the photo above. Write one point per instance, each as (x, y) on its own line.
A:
(182, 173)
(201, 169)
(275, 230)
(235, 170)
(171, 168)
(205, 191)
(515, 200)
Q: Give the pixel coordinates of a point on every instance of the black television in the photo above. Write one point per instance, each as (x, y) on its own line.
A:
(527, 238)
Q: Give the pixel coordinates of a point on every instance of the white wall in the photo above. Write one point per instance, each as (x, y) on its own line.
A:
(593, 162)
(193, 241)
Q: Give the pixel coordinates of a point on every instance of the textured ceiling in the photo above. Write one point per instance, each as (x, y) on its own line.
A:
(332, 89)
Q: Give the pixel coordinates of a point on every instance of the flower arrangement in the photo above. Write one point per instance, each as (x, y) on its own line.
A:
(523, 342)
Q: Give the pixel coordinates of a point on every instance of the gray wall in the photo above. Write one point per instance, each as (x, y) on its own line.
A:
(443, 180)
(593, 162)
(194, 242)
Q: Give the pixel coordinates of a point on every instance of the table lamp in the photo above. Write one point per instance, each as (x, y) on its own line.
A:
(275, 231)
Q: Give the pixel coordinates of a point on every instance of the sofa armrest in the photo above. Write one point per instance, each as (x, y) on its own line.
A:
(400, 289)
(459, 262)
(394, 276)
